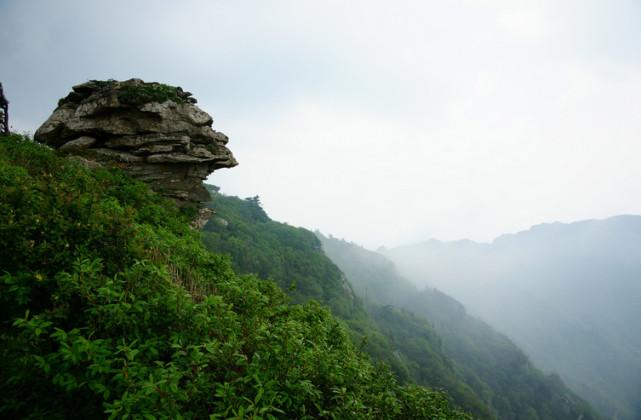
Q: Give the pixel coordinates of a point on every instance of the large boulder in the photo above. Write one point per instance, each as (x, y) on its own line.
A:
(154, 132)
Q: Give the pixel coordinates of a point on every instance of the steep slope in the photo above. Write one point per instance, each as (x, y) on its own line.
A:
(293, 258)
(495, 368)
(568, 294)
(110, 306)
(290, 256)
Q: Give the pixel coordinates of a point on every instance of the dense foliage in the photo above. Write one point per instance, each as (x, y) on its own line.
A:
(489, 362)
(286, 254)
(290, 256)
(111, 307)
(132, 94)
(136, 95)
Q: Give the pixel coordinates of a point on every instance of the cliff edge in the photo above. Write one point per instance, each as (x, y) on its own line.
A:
(154, 132)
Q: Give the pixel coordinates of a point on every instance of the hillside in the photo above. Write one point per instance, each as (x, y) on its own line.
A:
(294, 259)
(110, 306)
(568, 294)
(501, 387)
(493, 366)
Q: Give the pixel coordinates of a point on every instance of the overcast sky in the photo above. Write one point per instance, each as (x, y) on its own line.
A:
(380, 122)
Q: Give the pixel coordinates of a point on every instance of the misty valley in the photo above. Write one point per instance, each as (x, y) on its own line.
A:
(565, 302)
(130, 288)
(567, 294)
(341, 210)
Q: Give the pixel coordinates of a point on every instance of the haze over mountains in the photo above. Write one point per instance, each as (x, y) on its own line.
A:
(381, 122)
(568, 294)
(489, 362)
(425, 337)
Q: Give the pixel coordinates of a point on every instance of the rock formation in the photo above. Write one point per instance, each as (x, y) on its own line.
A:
(152, 131)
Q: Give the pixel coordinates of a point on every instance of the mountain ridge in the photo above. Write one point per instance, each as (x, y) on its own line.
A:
(506, 236)
(491, 363)
(567, 293)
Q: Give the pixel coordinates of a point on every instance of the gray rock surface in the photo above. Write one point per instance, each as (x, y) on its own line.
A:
(78, 144)
(154, 132)
(201, 219)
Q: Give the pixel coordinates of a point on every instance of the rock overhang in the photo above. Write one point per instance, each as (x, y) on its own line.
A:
(154, 132)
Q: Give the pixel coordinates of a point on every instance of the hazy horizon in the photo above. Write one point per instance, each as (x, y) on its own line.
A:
(567, 294)
(477, 242)
(383, 124)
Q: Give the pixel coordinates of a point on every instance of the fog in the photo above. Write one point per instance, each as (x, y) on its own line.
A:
(390, 123)
(460, 119)
(568, 294)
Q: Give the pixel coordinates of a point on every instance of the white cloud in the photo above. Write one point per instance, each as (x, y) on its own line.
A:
(380, 122)
(524, 24)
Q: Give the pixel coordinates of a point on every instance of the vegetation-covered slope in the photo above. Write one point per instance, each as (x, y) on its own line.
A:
(111, 307)
(293, 257)
(290, 256)
(495, 368)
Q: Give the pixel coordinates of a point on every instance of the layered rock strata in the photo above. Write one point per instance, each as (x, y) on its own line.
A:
(152, 131)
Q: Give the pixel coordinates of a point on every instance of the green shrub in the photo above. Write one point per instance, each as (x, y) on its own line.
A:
(110, 306)
(136, 95)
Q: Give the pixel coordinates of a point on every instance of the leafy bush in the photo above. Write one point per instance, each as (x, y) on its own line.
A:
(149, 92)
(129, 93)
(111, 307)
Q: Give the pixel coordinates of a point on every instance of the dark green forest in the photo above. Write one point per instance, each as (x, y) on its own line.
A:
(111, 307)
